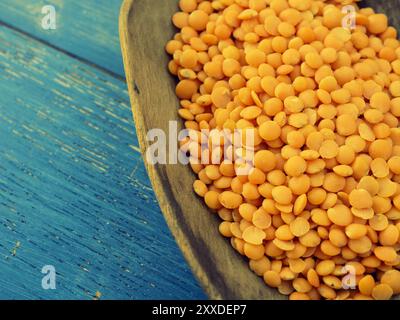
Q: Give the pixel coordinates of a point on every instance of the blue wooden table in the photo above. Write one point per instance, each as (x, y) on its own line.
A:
(74, 193)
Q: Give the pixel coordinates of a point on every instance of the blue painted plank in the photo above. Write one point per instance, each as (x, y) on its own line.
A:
(73, 189)
(87, 29)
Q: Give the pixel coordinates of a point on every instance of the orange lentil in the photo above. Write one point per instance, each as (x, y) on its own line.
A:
(386, 254)
(360, 199)
(382, 292)
(377, 23)
(340, 215)
(392, 278)
(272, 279)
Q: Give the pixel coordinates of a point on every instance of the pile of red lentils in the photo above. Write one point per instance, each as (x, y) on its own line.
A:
(321, 97)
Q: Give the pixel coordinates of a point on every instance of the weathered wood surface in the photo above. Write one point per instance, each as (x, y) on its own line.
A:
(73, 189)
(87, 29)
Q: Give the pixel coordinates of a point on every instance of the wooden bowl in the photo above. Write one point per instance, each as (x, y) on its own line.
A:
(145, 27)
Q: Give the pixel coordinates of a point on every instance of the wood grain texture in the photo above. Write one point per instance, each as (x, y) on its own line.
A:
(73, 189)
(87, 29)
(223, 273)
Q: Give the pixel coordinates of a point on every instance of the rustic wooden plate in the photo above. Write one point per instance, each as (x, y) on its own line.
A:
(145, 27)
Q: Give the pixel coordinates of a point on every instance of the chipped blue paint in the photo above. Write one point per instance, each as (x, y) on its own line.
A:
(73, 189)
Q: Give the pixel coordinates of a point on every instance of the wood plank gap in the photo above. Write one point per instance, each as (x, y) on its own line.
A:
(71, 55)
